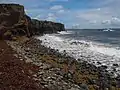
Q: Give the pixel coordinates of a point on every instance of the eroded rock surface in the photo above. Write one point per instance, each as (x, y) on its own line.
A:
(13, 21)
(47, 26)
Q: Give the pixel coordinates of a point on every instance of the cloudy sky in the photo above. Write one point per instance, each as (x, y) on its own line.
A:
(74, 13)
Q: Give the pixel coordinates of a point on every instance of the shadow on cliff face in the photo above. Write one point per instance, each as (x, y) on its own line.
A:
(47, 26)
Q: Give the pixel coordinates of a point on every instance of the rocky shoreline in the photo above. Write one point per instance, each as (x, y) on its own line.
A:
(54, 70)
(60, 72)
(15, 73)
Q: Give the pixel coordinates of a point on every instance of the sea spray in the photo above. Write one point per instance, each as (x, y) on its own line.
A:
(92, 52)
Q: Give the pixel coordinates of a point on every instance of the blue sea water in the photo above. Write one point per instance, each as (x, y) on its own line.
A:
(107, 37)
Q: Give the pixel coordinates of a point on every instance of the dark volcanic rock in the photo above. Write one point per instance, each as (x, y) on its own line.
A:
(13, 21)
(47, 26)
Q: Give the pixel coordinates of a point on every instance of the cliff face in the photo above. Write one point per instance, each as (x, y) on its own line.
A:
(13, 21)
(47, 26)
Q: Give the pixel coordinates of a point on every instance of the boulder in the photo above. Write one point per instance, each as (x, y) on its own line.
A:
(13, 21)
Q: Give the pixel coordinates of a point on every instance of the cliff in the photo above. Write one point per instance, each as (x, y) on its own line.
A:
(14, 22)
(47, 26)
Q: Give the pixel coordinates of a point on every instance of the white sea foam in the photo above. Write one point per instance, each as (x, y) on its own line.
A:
(106, 50)
(65, 32)
(84, 50)
(108, 30)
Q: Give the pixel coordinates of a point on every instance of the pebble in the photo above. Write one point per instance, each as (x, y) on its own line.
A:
(84, 87)
(29, 60)
(53, 77)
(74, 89)
(115, 65)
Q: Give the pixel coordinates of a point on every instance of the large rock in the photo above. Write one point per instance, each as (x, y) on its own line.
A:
(47, 26)
(13, 21)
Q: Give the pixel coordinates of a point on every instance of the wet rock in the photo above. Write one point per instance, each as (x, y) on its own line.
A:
(91, 81)
(15, 55)
(103, 67)
(84, 87)
(99, 63)
(34, 75)
(21, 59)
(116, 65)
(68, 76)
(43, 83)
(41, 73)
(45, 67)
(29, 60)
(74, 88)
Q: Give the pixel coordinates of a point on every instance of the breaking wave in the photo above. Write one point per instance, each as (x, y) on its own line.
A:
(89, 51)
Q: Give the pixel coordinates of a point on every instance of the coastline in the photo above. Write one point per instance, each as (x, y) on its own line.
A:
(95, 53)
(60, 72)
(28, 64)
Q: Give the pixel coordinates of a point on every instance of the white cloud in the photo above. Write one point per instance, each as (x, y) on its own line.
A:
(101, 17)
(37, 17)
(102, 13)
(76, 26)
(51, 17)
(116, 19)
(56, 7)
(107, 22)
(93, 22)
(61, 11)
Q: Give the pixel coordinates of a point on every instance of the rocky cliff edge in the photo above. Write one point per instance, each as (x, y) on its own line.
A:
(47, 26)
(14, 22)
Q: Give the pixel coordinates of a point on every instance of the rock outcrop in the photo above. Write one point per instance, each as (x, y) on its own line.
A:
(47, 26)
(14, 22)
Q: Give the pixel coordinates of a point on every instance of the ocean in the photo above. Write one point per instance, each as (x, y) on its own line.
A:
(97, 46)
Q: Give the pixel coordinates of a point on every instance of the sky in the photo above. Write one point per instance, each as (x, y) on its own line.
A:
(74, 13)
